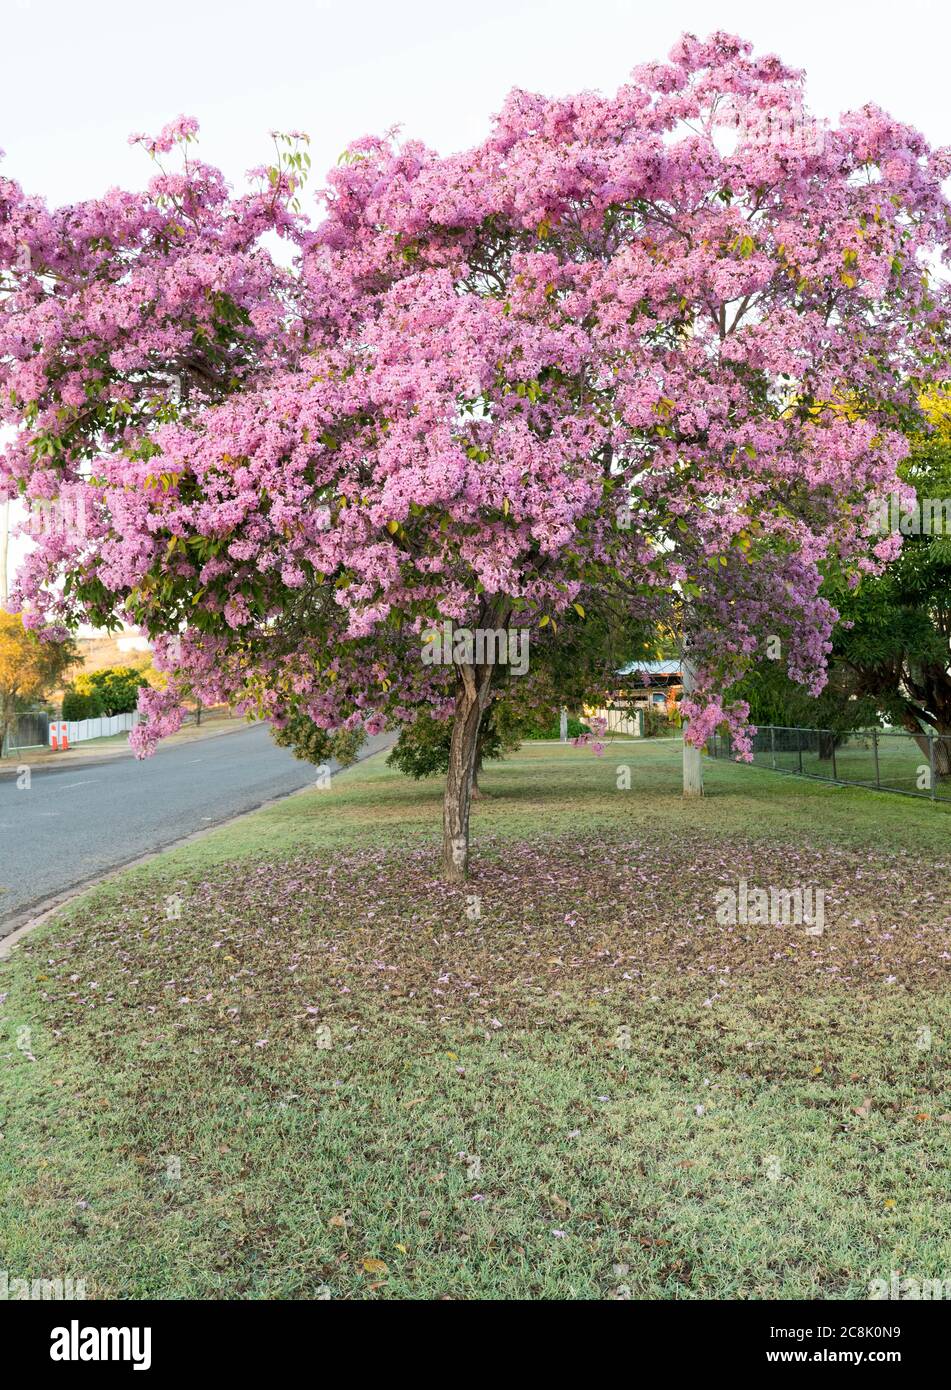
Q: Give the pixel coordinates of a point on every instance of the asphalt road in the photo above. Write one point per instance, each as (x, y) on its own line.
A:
(78, 822)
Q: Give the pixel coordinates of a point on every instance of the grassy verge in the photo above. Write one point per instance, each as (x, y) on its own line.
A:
(286, 1059)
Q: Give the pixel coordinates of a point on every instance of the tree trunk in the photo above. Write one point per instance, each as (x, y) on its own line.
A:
(828, 742)
(942, 755)
(477, 770)
(484, 727)
(942, 746)
(472, 698)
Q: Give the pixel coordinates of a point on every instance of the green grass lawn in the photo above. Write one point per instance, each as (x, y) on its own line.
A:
(332, 1074)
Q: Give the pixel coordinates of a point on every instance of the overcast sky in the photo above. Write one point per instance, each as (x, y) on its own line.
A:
(80, 75)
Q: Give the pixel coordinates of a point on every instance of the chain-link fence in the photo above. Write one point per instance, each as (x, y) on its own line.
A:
(887, 759)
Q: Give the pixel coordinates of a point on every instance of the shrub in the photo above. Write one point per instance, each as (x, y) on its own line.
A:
(422, 749)
(553, 729)
(78, 704)
(657, 724)
(314, 745)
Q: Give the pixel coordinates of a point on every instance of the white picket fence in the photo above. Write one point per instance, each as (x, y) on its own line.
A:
(78, 730)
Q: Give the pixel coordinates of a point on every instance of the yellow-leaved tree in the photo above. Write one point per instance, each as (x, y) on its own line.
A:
(29, 668)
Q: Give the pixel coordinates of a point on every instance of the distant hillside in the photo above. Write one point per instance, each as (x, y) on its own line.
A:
(96, 653)
(119, 649)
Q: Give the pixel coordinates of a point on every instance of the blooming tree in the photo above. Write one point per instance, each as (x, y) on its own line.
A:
(653, 350)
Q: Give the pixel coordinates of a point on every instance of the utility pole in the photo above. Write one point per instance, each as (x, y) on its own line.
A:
(693, 767)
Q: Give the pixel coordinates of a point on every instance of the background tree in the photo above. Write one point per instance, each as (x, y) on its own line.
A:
(893, 646)
(774, 699)
(29, 668)
(114, 688)
(891, 656)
